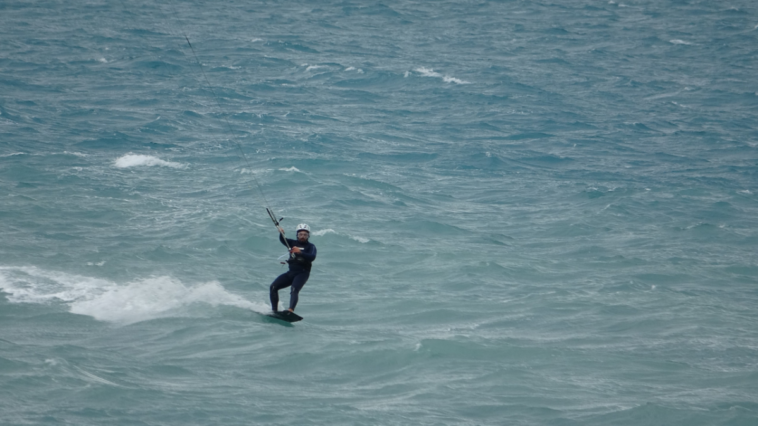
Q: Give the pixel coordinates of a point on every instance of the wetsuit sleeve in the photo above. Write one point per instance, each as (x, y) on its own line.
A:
(309, 254)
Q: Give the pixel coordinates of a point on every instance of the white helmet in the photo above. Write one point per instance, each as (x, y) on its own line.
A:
(303, 227)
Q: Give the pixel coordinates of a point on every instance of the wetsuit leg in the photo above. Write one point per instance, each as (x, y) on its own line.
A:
(282, 281)
(297, 284)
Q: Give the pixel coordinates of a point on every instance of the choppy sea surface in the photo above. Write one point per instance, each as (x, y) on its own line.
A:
(526, 212)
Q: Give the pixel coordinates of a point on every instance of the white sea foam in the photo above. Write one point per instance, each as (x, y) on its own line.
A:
(87, 376)
(108, 301)
(290, 169)
(315, 67)
(428, 72)
(322, 232)
(447, 79)
(33, 285)
(677, 41)
(103, 60)
(246, 171)
(135, 160)
(153, 298)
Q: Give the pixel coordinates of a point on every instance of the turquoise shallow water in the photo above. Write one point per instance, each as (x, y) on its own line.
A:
(527, 213)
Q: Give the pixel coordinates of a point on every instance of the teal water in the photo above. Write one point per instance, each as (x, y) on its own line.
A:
(527, 213)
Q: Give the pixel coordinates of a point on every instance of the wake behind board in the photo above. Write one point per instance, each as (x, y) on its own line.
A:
(285, 316)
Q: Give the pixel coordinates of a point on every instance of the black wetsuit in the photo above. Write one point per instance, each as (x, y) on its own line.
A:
(299, 271)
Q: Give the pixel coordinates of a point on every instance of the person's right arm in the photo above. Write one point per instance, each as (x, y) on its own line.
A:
(286, 242)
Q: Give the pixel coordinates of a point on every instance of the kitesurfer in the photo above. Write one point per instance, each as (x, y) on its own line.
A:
(302, 255)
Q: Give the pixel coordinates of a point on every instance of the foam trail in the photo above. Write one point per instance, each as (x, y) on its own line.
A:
(153, 298)
(104, 300)
(33, 285)
(134, 160)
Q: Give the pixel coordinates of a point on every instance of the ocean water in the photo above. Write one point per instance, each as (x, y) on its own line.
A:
(527, 212)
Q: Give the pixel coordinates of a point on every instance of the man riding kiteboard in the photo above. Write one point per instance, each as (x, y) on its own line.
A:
(302, 255)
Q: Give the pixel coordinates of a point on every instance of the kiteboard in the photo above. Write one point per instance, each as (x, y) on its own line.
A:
(285, 316)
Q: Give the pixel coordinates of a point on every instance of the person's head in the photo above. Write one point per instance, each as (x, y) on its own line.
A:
(303, 232)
